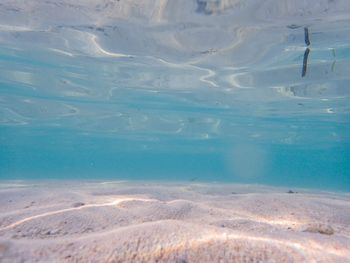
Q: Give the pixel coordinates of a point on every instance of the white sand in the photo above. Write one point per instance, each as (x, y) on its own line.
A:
(154, 222)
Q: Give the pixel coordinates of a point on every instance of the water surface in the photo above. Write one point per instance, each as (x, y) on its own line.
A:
(202, 90)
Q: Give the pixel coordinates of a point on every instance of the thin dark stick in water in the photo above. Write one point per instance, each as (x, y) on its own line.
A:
(306, 55)
(306, 35)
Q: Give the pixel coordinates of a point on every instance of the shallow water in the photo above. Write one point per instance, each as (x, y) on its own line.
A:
(176, 91)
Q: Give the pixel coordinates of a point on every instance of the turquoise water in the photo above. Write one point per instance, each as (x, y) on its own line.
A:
(188, 91)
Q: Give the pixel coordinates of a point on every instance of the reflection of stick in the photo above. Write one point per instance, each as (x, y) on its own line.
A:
(333, 66)
(306, 35)
(333, 52)
(306, 55)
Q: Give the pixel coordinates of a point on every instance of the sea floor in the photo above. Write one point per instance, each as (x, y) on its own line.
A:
(75, 221)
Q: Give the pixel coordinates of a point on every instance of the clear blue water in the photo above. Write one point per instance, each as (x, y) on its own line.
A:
(182, 92)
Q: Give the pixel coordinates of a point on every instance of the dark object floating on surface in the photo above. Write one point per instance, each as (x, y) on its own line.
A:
(293, 26)
(306, 36)
(78, 204)
(291, 192)
(306, 55)
(307, 51)
(202, 7)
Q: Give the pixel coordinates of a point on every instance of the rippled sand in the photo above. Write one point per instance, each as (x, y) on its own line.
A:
(158, 222)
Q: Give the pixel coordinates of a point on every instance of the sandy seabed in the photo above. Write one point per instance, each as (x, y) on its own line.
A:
(71, 221)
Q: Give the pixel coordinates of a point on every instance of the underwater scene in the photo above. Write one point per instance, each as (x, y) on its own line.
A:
(174, 131)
